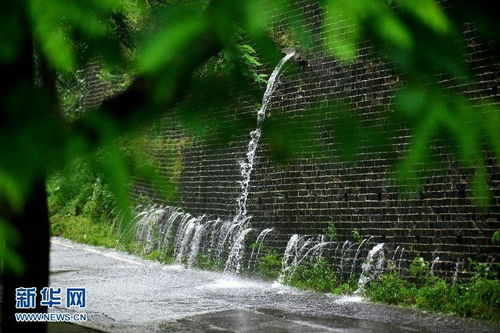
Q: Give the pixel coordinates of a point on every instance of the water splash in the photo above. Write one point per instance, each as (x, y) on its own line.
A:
(433, 263)
(195, 244)
(455, 273)
(259, 242)
(372, 267)
(233, 263)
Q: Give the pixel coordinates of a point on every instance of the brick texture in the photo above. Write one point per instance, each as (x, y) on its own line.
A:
(307, 194)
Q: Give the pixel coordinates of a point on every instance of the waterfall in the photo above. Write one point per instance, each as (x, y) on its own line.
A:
(246, 165)
(195, 244)
(233, 263)
(357, 253)
(285, 262)
(184, 238)
(455, 273)
(231, 229)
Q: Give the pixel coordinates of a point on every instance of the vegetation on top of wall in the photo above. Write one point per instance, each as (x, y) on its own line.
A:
(284, 37)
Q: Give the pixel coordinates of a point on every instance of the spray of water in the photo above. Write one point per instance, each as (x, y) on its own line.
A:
(372, 267)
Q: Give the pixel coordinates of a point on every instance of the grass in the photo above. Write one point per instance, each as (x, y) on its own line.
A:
(83, 230)
(478, 298)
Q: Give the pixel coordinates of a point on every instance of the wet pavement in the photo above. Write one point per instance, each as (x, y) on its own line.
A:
(129, 294)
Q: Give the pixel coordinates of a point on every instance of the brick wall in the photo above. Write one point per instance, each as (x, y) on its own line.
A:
(307, 194)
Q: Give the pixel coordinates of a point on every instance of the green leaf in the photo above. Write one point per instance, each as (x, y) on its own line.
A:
(247, 48)
(428, 12)
(343, 27)
(10, 189)
(170, 42)
(393, 31)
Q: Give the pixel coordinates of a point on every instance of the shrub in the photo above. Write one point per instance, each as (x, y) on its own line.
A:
(481, 300)
(437, 296)
(318, 276)
(331, 232)
(419, 270)
(392, 289)
(269, 266)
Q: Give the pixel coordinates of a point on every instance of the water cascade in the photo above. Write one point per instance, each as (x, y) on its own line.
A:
(433, 263)
(400, 259)
(259, 242)
(233, 228)
(357, 254)
(372, 267)
(455, 273)
(226, 236)
(195, 244)
(233, 263)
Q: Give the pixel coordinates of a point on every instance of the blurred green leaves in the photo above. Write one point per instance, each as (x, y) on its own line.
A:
(429, 12)
(433, 113)
(170, 40)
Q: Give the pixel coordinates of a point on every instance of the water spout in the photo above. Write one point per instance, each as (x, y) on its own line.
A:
(372, 267)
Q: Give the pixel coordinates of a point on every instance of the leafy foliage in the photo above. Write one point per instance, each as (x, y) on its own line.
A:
(331, 232)
(318, 276)
(476, 298)
(269, 265)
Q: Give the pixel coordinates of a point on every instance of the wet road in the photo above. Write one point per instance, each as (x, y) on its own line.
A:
(129, 294)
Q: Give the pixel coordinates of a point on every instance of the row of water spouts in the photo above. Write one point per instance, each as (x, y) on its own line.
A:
(163, 227)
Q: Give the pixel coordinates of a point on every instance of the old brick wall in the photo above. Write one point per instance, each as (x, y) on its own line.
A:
(307, 194)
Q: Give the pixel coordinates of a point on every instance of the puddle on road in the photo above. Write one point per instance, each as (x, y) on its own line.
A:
(231, 283)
